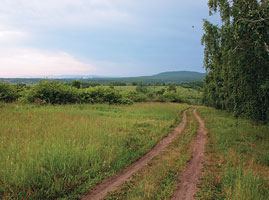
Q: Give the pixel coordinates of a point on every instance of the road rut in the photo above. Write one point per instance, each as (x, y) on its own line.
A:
(190, 176)
(109, 185)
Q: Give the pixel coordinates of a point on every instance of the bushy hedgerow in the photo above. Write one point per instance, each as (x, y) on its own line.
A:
(162, 95)
(52, 92)
(135, 96)
(101, 94)
(10, 93)
(173, 96)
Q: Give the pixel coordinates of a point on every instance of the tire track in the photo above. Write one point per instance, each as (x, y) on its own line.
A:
(109, 185)
(190, 176)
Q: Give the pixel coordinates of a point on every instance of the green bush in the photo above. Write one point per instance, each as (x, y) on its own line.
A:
(101, 94)
(174, 97)
(141, 88)
(76, 84)
(51, 92)
(135, 96)
(10, 93)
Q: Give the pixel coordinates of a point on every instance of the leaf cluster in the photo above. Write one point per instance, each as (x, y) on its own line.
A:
(236, 57)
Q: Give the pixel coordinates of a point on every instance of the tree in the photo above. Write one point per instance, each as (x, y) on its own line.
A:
(141, 88)
(172, 87)
(76, 84)
(236, 57)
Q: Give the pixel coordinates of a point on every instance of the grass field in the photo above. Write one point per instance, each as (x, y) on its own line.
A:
(48, 152)
(160, 177)
(237, 155)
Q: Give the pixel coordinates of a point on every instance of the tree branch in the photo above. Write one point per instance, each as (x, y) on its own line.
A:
(254, 21)
(266, 46)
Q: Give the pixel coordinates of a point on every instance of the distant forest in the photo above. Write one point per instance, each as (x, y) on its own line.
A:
(164, 78)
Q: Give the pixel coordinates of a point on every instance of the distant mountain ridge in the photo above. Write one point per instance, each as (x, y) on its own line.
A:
(164, 77)
(167, 77)
(179, 74)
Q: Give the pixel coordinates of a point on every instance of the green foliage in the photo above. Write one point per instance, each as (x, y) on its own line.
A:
(86, 84)
(174, 97)
(135, 96)
(54, 92)
(237, 58)
(76, 84)
(117, 83)
(10, 93)
(141, 88)
(101, 94)
(198, 85)
(171, 87)
(51, 92)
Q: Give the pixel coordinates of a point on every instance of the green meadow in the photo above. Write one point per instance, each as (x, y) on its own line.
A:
(62, 151)
(49, 152)
(159, 178)
(237, 158)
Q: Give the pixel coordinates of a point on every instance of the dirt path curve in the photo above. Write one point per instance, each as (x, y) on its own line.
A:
(109, 185)
(190, 176)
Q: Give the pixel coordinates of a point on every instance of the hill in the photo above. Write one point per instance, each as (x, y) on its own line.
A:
(164, 77)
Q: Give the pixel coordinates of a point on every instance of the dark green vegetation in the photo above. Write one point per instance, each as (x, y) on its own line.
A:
(159, 179)
(237, 58)
(237, 158)
(162, 78)
(47, 152)
(53, 92)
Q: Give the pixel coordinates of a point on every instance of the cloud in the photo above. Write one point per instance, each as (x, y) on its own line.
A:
(27, 62)
(11, 36)
(62, 13)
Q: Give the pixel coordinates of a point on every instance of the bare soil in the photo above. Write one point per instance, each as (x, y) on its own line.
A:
(190, 176)
(111, 184)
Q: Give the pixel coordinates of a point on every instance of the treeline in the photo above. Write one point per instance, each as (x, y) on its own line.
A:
(53, 92)
(237, 58)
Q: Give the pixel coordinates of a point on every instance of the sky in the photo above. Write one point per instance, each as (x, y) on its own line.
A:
(100, 37)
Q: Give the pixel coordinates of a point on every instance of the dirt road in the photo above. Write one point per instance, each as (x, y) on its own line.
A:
(101, 190)
(190, 176)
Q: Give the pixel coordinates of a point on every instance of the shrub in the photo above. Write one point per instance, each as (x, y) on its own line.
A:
(10, 93)
(135, 96)
(174, 97)
(76, 84)
(141, 88)
(101, 94)
(51, 92)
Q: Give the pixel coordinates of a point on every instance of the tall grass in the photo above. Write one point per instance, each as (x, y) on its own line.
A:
(49, 152)
(237, 158)
(159, 179)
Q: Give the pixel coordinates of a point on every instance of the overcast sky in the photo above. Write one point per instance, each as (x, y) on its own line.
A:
(39, 38)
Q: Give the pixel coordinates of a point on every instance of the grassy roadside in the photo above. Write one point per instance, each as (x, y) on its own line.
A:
(237, 158)
(158, 179)
(53, 152)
